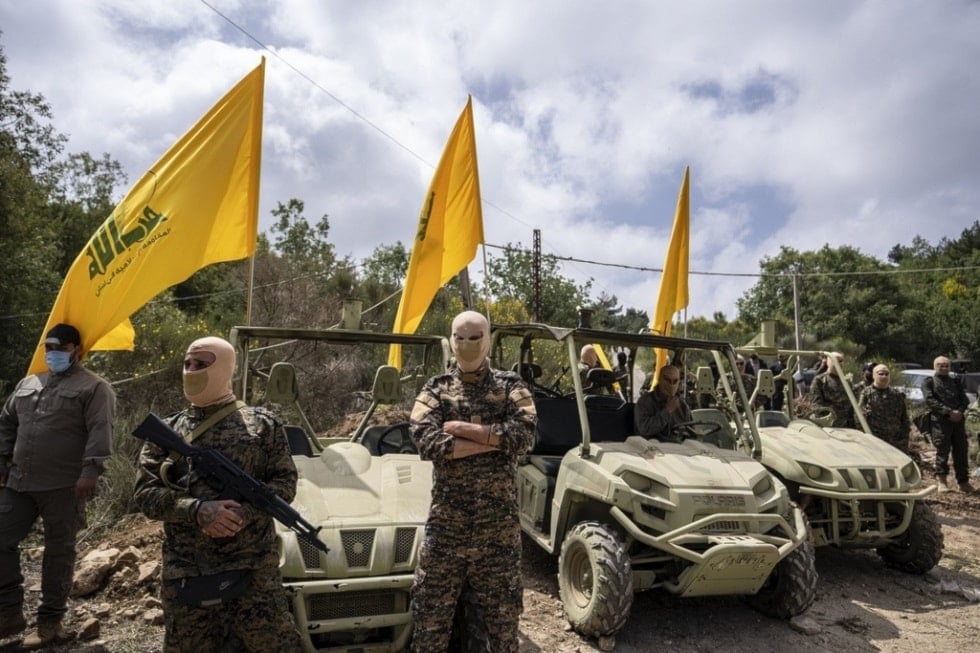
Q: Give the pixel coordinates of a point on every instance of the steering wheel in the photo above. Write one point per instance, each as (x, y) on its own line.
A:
(696, 430)
(395, 439)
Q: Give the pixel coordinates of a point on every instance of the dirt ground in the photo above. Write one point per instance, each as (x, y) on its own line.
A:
(861, 605)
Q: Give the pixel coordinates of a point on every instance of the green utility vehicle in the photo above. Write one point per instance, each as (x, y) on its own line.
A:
(858, 491)
(360, 479)
(625, 513)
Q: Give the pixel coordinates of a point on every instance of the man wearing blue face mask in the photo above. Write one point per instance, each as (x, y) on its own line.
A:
(55, 436)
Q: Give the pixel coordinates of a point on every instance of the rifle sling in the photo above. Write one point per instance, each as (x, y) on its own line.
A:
(202, 428)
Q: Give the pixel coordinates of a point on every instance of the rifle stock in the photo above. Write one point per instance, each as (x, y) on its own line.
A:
(231, 479)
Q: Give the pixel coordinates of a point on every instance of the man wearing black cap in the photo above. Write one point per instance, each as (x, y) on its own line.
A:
(55, 435)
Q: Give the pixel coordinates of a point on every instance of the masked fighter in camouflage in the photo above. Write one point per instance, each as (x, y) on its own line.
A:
(472, 422)
(219, 552)
(885, 411)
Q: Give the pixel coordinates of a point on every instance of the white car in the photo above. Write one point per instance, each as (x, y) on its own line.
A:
(910, 382)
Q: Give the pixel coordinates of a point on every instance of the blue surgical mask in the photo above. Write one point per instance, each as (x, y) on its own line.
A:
(58, 361)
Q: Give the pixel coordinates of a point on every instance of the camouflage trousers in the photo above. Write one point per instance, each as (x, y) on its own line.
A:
(951, 437)
(259, 620)
(489, 558)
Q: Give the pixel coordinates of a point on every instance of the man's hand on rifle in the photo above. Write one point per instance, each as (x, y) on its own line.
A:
(221, 518)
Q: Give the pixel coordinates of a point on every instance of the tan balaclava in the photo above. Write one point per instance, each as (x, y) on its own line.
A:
(211, 385)
(881, 376)
(470, 341)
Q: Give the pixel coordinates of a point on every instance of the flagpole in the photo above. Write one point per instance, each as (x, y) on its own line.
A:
(251, 286)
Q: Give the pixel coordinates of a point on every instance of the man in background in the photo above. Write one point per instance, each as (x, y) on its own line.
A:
(55, 436)
(947, 402)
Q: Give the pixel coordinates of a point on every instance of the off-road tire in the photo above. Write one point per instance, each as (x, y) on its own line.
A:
(918, 549)
(595, 579)
(791, 587)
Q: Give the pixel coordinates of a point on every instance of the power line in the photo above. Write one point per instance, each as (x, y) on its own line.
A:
(640, 268)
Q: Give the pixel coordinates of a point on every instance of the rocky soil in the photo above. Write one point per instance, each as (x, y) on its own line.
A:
(861, 604)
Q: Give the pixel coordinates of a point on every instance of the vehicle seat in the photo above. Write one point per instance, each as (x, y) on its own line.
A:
(558, 428)
(724, 438)
(281, 388)
(704, 387)
(765, 387)
(771, 418)
(299, 444)
(610, 418)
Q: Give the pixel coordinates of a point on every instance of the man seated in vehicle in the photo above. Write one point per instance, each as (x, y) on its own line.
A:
(660, 410)
(588, 361)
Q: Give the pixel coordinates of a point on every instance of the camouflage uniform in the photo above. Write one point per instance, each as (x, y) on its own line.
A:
(748, 382)
(886, 414)
(254, 439)
(473, 530)
(827, 391)
(944, 394)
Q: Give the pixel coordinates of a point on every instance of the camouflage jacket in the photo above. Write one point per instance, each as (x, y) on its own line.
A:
(886, 414)
(254, 439)
(748, 383)
(944, 394)
(827, 391)
(481, 487)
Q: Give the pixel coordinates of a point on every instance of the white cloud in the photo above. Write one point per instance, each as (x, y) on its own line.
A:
(804, 123)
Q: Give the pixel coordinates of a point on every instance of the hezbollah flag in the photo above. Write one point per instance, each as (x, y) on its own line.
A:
(450, 228)
(673, 284)
(197, 205)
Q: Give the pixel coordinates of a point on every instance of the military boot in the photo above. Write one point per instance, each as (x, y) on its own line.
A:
(47, 632)
(941, 483)
(12, 623)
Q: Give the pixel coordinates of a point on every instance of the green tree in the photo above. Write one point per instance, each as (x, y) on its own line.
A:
(29, 245)
(843, 294)
(510, 276)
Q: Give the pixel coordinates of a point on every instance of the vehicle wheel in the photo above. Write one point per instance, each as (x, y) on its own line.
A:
(595, 580)
(918, 549)
(791, 587)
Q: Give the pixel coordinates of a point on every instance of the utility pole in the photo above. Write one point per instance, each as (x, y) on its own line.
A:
(536, 276)
(796, 307)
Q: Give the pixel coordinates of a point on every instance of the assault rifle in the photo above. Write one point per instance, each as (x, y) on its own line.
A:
(224, 475)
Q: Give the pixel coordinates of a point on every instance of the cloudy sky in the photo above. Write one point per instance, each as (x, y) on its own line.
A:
(804, 123)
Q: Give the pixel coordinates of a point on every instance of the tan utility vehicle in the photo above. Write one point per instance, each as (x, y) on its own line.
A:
(359, 476)
(625, 513)
(858, 491)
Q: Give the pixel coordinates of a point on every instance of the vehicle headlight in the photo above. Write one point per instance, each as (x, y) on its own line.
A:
(817, 472)
(911, 473)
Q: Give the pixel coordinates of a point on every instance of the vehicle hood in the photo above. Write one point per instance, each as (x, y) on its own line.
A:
(345, 484)
(804, 441)
(690, 464)
(837, 460)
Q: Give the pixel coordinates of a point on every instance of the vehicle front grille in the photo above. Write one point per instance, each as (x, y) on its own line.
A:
(347, 605)
(723, 527)
(358, 546)
(404, 545)
(311, 555)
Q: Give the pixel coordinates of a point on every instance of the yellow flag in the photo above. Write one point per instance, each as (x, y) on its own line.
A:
(196, 206)
(673, 285)
(450, 228)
